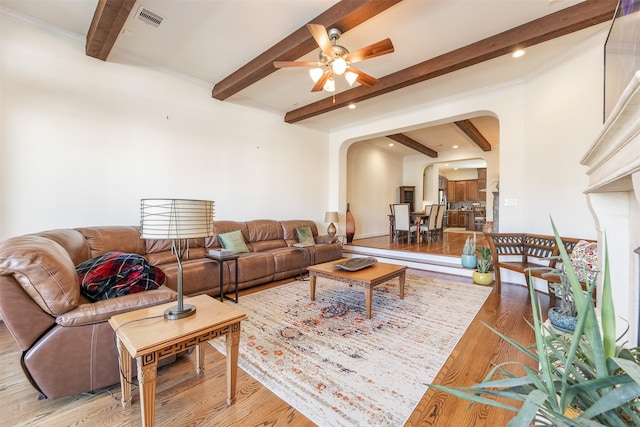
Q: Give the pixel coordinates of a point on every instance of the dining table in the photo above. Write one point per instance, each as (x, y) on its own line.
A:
(416, 218)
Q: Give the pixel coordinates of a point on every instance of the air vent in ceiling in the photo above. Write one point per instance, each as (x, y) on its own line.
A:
(148, 17)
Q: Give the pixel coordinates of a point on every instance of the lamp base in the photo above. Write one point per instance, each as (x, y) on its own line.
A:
(172, 313)
(331, 230)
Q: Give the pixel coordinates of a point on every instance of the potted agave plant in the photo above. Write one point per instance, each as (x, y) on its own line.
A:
(469, 258)
(582, 379)
(483, 275)
(563, 317)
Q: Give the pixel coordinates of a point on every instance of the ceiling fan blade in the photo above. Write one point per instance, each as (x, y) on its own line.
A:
(319, 33)
(280, 64)
(363, 78)
(321, 81)
(381, 48)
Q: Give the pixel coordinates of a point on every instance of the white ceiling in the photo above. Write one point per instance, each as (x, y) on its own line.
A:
(206, 40)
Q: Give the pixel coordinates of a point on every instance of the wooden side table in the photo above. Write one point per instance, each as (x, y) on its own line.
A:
(220, 260)
(148, 337)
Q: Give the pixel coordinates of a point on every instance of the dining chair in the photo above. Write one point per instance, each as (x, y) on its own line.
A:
(430, 228)
(403, 224)
(440, 222)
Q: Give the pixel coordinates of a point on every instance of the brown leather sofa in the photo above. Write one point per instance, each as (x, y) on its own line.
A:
(67, 344)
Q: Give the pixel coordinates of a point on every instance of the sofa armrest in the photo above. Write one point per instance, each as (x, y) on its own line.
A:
(100, 311)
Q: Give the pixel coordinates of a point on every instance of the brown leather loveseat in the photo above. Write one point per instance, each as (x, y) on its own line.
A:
(68, 346)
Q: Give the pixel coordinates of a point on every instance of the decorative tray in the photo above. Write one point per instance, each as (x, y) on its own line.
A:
(355, 264)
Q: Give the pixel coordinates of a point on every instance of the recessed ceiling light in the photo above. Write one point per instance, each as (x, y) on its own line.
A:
(352, 106)
(455, 146)
(391, 144)
(517, 53)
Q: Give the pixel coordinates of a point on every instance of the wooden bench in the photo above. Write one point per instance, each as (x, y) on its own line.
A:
(533, 250)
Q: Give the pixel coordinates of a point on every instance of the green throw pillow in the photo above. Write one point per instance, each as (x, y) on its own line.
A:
(305, 235)
(233, 240)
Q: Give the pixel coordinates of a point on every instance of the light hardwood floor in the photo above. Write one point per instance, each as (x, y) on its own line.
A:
(186, 399)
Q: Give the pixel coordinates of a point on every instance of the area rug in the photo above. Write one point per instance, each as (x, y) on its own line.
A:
(338, 368)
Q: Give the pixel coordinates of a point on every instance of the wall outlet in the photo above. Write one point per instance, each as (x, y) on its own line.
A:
(511, 202)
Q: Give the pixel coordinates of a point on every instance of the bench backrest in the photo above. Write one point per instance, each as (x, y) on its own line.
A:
(529, 245)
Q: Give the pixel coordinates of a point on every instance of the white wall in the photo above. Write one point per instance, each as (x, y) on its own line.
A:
(461, 174)
(374, 177)
(82, 141)
(546, 123)
(563, 116)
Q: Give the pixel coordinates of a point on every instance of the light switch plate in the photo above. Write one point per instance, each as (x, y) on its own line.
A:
(511, 202)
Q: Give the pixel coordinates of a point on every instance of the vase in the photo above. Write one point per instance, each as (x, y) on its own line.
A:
(562, 322)
(350, 225)
(469, 261)
(480, 278)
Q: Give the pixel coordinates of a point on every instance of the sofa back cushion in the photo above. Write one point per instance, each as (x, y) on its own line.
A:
(289, 229)
(72, 241)
(265, 234)
(226, 227)
(44, 270)
(154, 246)
(264, 229)
(124, 238)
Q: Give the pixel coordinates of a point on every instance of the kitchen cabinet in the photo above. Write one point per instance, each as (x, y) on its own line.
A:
(458, 218)
(463, 219)
(451, 191)
(461, 191)
(467, 190)
(452, 218)
(472, 190)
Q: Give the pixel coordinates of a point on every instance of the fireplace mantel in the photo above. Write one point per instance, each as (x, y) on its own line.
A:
(613, 194)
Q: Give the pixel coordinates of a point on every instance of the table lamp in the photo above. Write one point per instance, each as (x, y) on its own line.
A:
(331, 217)
(177, 220)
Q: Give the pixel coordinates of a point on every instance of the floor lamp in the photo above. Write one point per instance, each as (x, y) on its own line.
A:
(177, 220)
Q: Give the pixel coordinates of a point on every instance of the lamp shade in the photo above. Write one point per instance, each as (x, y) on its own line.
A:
(176, 218)
(331, 217)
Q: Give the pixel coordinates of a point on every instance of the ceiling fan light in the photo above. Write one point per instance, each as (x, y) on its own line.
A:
(330, 85)
(351, 77)
(339, 66)
(315, 74)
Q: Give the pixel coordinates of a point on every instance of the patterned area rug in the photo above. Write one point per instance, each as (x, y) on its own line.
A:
(338, 368)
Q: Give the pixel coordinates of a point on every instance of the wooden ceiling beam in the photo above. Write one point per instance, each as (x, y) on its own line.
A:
(107, 22)
(474, 134)
(344, 15)
(563, 22)
(413, 144)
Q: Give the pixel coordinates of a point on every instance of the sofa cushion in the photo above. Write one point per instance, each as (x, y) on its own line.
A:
(44, 270)
(233, 240)
(264, 229)
(113, 238)
(584, 259)
(290, 233)
(305, 235)
(114, 274)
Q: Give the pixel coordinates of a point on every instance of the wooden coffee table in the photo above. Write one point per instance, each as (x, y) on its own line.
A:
(368, 277)
(145, 335)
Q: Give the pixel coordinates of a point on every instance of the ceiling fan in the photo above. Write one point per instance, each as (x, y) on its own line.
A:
(336, 60)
